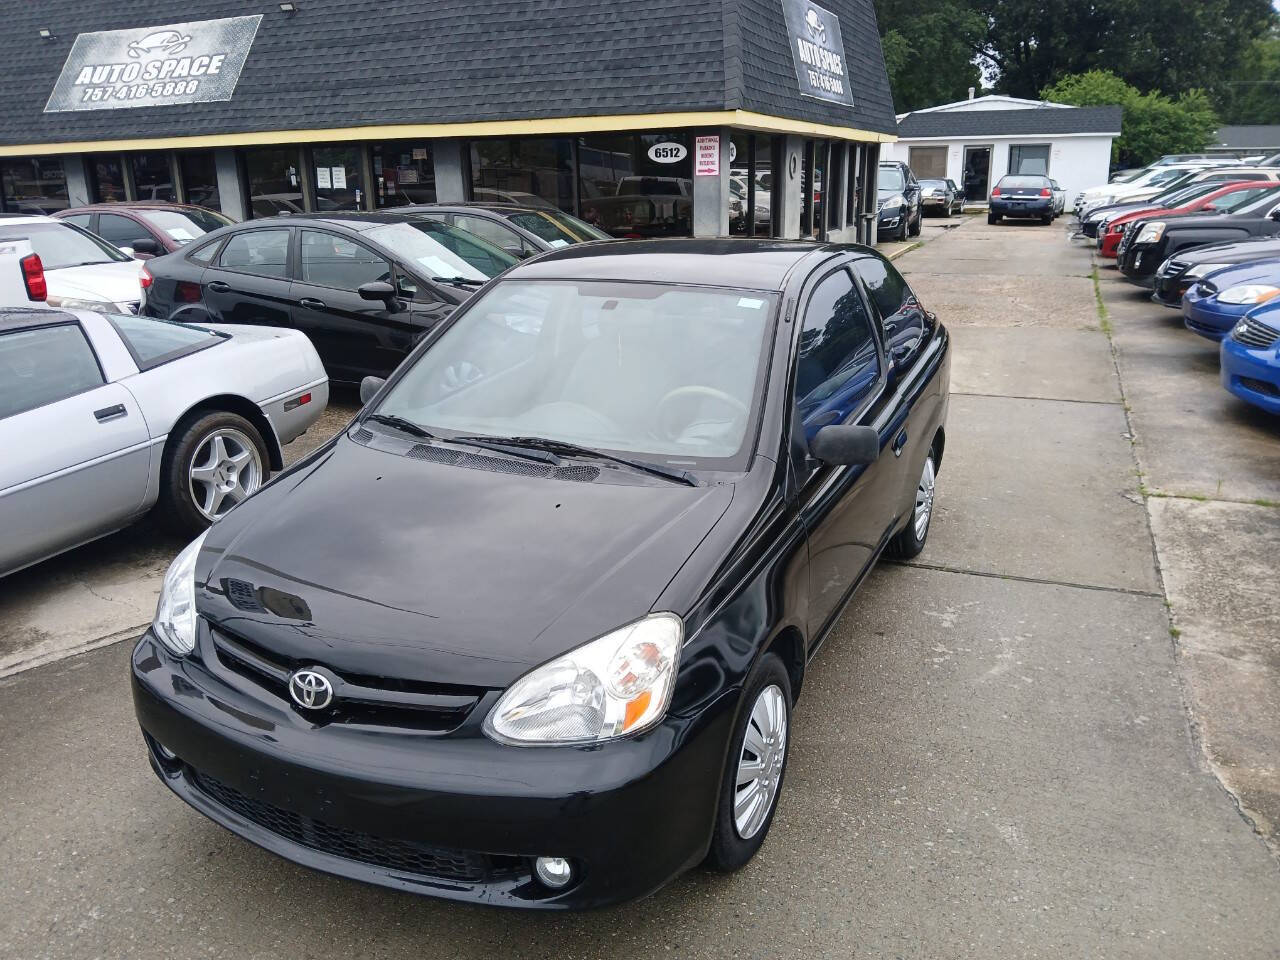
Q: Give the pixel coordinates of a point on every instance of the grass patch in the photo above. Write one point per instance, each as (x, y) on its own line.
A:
(1175, 632)
(1104, 318)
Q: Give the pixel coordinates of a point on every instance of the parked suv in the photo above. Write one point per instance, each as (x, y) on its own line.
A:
(898, 197)
(145, 230)
(365, 287)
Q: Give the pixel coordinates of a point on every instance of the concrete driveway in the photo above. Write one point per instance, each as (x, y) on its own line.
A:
(993, 757)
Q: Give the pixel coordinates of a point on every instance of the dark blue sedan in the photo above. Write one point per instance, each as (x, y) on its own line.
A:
(1021, 197)
(1213, 305)
(1251, 357)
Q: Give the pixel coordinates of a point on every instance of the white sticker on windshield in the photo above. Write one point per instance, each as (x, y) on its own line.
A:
(749, 303)
(558, 243)
(181, 233)
(437, 266)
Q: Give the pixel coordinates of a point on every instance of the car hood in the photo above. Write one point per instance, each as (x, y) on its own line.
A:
(371, 562)
(1237, 251)
(115, 282)
(1251, 271)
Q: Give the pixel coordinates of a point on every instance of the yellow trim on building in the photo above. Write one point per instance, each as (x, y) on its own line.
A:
(483, 128)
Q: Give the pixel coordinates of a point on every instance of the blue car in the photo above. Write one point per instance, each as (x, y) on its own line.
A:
(1251, 358)
(1211, 306)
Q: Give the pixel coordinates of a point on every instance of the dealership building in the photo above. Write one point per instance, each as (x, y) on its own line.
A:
(655, 118)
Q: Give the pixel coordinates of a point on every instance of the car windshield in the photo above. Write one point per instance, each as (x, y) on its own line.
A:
(1178, 195)
(183, 226)
(558, 229)
(442, 251)
(665, 371)
(890, 179)
(1259, 203)
(934, 184)
(1023, 183)
(63, 244)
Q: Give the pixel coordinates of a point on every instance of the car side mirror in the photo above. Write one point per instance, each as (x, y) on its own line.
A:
(1275, 214)
(846, 445)
(145, 245)
(369, 388)
(377, 290)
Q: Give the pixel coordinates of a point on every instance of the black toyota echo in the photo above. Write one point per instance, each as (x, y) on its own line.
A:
(530, 629)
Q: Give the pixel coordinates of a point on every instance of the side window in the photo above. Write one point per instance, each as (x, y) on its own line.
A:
(901, 315)
(80, 220)
(333, 261)
(204, 253)
(121, 231)
(495, 233)
(264, 252)
(837, 363)
(43, 366)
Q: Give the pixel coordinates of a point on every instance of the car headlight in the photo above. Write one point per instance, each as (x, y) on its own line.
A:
(1249, 293)
(896, 200)
(1152, 232)
(614, 686)
(72, 303)
(175, 622)
(1203, 269)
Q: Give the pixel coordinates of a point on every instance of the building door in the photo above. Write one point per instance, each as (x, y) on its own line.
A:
(928, 163)
(977, 173)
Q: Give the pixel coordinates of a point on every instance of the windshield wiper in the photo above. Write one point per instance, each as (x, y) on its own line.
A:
(568, 449)
(400, 423)
(504, 445)
(460, 281)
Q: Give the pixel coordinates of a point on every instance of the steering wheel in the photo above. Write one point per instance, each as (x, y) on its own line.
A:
(459, 374)
(670, 432)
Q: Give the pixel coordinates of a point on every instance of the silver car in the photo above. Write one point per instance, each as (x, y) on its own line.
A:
(103, 416)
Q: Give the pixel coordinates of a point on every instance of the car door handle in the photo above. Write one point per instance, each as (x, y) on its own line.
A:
(107, 414)
(311, 303)
(219, 286)
(899, 442)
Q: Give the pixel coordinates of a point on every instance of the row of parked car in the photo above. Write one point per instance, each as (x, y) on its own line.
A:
(1205, 239)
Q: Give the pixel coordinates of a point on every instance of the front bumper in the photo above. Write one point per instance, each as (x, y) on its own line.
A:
(1168, 289)
(1209, 317)
(1251, 374)
(451, 815)
(1139, 265)
(890, 218)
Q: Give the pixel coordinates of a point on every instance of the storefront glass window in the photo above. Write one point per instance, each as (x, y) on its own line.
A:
(33, 184)
(533, 172)
(274, 186)
(741, 191)
(337, 173)
(153, 177)
(819, 185)
(637, 185)
(200, 179)
(403, 172)
(107, 176)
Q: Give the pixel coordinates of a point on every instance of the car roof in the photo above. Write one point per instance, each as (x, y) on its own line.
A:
(132, 205)
(755, 264)
(500, 208)
(20, 318)
(27, 218)
(355, 220)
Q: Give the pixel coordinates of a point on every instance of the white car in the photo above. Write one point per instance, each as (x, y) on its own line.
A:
(82, 271)
(1149, 181)
(102, 416)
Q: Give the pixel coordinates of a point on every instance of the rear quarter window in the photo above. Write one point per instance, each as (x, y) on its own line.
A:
(153, 342)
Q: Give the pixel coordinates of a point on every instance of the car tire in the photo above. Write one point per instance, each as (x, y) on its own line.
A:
(1047, 221)
(222, 445)
(993, 219)
(919, 224)
(767, 691)
(911, 540)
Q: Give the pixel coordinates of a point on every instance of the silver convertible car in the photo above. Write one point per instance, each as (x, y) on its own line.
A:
(103, 416)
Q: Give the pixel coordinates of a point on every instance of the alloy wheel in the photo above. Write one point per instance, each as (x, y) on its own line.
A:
(225, 469)
(764, 751)
(924, 498)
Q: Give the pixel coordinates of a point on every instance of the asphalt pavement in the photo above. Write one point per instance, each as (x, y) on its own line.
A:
(1000, 752)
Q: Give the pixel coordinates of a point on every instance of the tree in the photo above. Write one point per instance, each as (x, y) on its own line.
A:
(1169, 45)
(929, 50)
(1153, 123)
(1252, 94)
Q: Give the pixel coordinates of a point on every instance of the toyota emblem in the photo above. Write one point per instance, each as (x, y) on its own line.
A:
(310, 689)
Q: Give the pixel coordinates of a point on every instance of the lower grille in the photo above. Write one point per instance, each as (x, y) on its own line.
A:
(1174, 268)
(1260, 386)
(404, 855)
(1254, 334)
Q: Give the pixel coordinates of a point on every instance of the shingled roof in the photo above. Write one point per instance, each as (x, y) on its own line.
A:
(344, 63)
(1041, 121)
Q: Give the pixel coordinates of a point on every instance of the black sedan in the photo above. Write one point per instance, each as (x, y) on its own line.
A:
(1179, 274)
(1022, 197)
(520, 231)
(365, 287)
(1151, 243)
(529, 631)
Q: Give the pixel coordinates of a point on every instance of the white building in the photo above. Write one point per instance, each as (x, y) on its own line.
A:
(975, 142)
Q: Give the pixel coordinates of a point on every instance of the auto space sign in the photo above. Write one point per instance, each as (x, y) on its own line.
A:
(195, 62)
(818, 51)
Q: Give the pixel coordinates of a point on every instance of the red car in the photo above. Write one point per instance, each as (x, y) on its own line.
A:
(147, 228)
(1224, 198)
